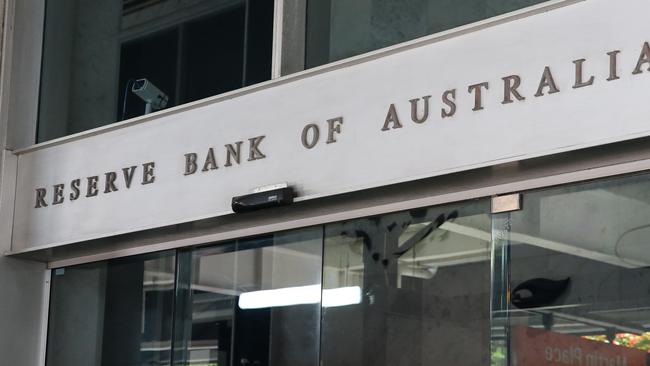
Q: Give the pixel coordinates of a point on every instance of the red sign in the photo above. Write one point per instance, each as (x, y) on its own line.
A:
(537, 347)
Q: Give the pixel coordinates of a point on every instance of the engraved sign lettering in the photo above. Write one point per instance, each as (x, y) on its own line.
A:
(250, 149)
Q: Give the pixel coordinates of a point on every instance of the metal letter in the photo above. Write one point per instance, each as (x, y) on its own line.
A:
(128, 175)
(210, 161)
(110, 182)
(478, 95)
(147, 173)
(613, 65)
(449, 98)
(74, 185)
(579, 75)
(91, 190)
(305, 135)
(190, 163)
(233, 152)
(334, 125)
(391, 117)
(254, 152)
(510, 85)
(40, 198)
(414, 110)
(643, 59)
(58, 194)
(547, 81)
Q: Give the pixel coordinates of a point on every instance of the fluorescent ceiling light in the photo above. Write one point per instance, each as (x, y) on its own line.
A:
(341, 296)
(280, 297)
(300, 295)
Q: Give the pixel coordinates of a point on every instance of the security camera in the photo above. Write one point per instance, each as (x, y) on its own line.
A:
(154, 98)
(264, 199)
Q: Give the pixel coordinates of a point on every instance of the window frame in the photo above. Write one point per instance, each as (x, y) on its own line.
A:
(22, 55)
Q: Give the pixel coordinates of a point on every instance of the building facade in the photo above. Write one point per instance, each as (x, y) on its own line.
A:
(325, 182)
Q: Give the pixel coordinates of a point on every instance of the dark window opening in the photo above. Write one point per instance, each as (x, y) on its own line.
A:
(93, 52)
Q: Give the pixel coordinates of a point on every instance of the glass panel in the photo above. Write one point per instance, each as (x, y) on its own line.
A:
(574, 286)
(112, 313)
(95, 51)
(207, 72)
(337, 29)
(410, 288)
(253, 302)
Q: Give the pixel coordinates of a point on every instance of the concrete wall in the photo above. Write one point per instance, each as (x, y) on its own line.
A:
(22, 289)
(22, 283)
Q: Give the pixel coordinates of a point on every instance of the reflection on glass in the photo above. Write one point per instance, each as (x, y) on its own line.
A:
(577, 276)
(253, 302)
(423, 280)
(112, 313)
(337, 29)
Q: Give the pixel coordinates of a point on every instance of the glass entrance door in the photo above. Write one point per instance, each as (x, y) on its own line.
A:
(563, 281)
(572, 276)
(405, 288)
(251, 302)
